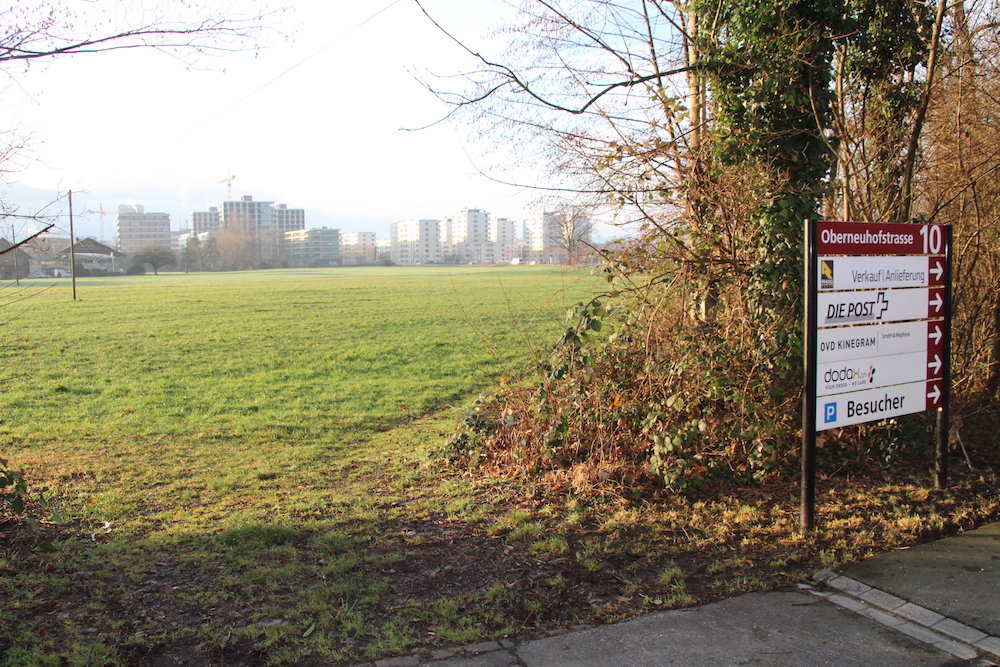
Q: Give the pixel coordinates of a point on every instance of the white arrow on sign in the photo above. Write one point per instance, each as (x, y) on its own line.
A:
(937, 302)
(938, 270)
(936, 364)
(936, 394)
(937, 335)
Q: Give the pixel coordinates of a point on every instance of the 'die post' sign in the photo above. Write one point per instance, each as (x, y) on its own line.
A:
(877, 330)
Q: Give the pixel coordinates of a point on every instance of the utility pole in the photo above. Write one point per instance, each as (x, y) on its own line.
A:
(13, 242)
(72, 244)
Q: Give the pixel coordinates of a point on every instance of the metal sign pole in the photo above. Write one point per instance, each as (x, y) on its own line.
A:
(72, 244)
(944, 412)
(808, 508)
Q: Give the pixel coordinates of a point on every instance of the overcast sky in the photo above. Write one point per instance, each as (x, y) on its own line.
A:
(313, 122)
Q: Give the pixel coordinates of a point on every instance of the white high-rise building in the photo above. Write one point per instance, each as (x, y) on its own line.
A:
(540, 228)
(358, 248)
(503, 233)
(470, 237)
(138, 229)
(553, 237)
(416, 241)
(357, 238)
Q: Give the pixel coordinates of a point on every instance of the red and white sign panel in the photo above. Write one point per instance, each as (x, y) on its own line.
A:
(880, 327)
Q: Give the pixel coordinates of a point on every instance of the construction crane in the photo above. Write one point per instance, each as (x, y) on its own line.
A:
(101, 212)
(229, 186)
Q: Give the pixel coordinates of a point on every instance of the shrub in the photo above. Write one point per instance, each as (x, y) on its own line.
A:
(13, 489)
(641, 395)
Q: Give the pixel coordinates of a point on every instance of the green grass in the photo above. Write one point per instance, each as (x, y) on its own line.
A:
(318, 357)
(253, 427)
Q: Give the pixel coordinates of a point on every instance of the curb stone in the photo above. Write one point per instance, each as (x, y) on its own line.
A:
(418, 658)
(928, 626)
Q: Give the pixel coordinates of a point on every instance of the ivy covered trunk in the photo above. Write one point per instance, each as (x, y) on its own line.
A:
(771, 71)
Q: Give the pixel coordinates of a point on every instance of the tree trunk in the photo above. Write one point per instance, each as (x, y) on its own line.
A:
(906, 198)
(993, 380)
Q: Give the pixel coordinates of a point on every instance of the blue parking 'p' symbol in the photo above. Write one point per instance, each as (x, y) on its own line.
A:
(829, 413)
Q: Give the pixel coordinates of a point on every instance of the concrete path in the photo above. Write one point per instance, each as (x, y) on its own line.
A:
(936, 605)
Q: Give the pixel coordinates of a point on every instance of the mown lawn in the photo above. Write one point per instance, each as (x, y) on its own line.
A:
(309, 357)
(164, 411)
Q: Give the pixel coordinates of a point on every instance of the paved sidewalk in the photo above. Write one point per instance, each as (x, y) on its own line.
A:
(936, 605)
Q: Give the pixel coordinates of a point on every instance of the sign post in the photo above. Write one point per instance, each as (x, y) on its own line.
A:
(877, 332)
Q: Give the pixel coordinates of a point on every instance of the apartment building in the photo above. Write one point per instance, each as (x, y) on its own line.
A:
(262, 221)
(255, 219)
(138, 229)
(469, 238)
(556, 237)
(290, 219)
(503, 233)
(358, 248)
(205, 221)
(312, 247)
(539, 229)
(416, 242)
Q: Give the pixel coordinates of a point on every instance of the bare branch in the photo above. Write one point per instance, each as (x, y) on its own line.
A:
(26, 241)
(512, 78)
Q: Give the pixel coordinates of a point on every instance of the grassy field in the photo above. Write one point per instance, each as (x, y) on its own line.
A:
(245, 469)
(299, 357)
(171, 409)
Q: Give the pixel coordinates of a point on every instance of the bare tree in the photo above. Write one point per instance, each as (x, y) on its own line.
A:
(194, 253)
(958, 184)
(571, 233)
(35, 32)
(235, 250)
(156, 256)
(719, 128)
(38, 31)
